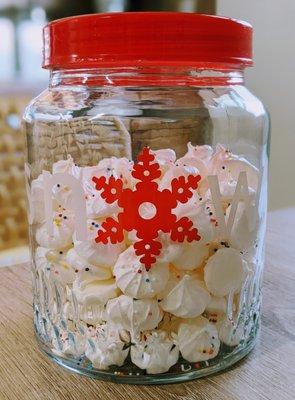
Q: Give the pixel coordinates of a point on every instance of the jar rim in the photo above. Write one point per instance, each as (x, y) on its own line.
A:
(147, 39)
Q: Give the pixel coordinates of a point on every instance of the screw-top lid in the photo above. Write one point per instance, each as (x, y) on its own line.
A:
(147, 39)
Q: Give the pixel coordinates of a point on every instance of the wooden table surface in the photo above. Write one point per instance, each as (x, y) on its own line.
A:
(267, 373)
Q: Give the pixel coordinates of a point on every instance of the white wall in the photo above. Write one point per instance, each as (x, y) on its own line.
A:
(272, 79)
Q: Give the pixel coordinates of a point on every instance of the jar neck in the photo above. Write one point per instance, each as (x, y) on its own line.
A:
(146, 76)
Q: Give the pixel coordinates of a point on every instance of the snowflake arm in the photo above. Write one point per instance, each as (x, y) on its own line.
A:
(146, 170)
(181, 188)
(111, 232)
(183, 229)
(111, 190)
(147, 249)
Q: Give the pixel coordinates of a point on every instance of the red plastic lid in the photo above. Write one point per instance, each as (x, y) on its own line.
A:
(147, 39)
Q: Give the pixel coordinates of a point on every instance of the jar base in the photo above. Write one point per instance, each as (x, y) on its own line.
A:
(183, 371)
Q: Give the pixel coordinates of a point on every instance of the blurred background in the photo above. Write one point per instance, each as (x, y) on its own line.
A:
(21, 78)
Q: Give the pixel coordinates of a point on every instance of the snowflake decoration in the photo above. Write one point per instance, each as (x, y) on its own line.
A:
(146, 195)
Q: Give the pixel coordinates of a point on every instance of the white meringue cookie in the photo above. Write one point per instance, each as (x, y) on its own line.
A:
(61, 199)
(62, 232)
(68, 345)
(67, 166)
(165, 158)
(86, 270)
(59, 268)
(187, 299)
(225, 272)
(228, 166)
(106, 349)
(96, 206)
(134, 315)
(203, 152)
(134, 280)
(96, 291)
(91, 315)
(192, 256)
(197, 157)
(40, 259)
(156, 353)
(230, 333)
(216, 304)
(170, 324)
(220, 155)
(119, 168)
(170, 250)
(233, 168)
(37, 200)
(198, 340)
(175, 171)
(216, 310)
(97, 253)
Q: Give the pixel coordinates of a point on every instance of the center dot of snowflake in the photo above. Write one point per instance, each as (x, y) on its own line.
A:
(147, 210)
(146, 173)
(113, 191)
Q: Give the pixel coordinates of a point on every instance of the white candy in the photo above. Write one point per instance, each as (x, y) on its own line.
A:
(86, 270)
(92, 314)
(133, 279)
(172, 295)
(95, 291)
(165, 158)
(198, 340)
(198, 157)
(225, 272)
(106, 349)
(192, 256)
(170, 324)
(230, 333)
(228, 166)
(62, 232)
(41, 261)
(59, 268)
(134, 315)
(37, 200)
(119, 168)
(68, 345)
(67, 166)
(61, 199)
(175, 171)
(215, 311)
(187, 299)
(216, 304)
(156, 354)
(203, 152)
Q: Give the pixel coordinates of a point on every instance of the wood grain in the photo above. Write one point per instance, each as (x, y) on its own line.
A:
(268, 373)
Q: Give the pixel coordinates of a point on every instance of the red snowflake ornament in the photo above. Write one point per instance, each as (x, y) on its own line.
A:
(146, 196)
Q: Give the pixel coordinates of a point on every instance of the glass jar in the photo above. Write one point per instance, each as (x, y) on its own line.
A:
(147, 169)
